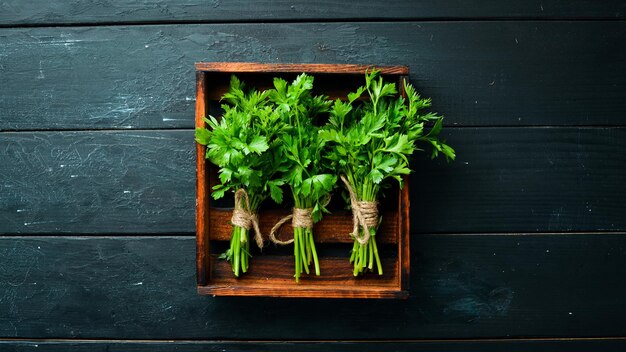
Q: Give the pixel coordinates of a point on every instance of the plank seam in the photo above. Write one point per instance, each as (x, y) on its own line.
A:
(189, 235)
(449, 126)
(314, 21)
(305, 341)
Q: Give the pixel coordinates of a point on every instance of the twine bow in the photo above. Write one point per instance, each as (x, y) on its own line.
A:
(242, 216)
(364, 214)
(299, 218)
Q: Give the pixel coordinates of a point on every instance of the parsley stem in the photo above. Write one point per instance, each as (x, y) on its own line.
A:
(378, 263)
(296, 254)
(308, 236)
(371, 254)
(236, 249)
(315, 259)
(302, 242)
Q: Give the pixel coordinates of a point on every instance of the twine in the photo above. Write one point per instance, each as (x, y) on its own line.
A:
(242, 216)
(300, 217)
(364, 215)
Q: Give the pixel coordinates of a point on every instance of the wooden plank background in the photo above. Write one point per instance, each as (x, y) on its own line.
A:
(480, 73)
(41, 12)
(519, 244)
(462, 286)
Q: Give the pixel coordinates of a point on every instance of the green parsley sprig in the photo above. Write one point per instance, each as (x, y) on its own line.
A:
(245, 147)
(371, 144)
(307, 171)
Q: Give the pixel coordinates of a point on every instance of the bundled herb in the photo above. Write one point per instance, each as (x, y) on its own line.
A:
(371, 144)
(307, 171)
(244, 145)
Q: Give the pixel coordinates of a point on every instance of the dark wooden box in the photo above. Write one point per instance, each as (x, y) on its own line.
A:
(271, 272)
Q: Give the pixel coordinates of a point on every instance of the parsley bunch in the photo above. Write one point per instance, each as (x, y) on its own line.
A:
(245, 147)
(308, 173)
(371, 144)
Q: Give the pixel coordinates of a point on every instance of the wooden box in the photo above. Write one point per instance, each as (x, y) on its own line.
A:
(271, 271)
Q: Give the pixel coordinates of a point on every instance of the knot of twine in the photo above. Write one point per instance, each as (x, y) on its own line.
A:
(300, 217)
(364, 215)
(242, 216)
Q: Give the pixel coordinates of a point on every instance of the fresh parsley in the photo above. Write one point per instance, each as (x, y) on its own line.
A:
(307, 172)
(372, 142)
(244, 145)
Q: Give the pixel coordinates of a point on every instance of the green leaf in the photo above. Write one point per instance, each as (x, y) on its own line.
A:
(401, 145)
(324, 182)
(225, 174)
(388, 89)
(355, 95)
(275, 191)
(226, 255)
(258, 145)
(387, 164)
(376, 176)
(448, 151)
(434, 132)
(306, 187)
(203, 136)
(219, 191)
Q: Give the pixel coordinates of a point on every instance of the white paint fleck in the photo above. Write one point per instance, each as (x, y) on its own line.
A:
(37, 222)
(147, 46)
(124, 110)
(73, 176)
(516, 41)
(20, 210)
(547, 251)
(138, 283)
(62, 165)
(41, 75)
(189, 98)
(466, 163)
(38, 247)
(570, 313)
(66, 42)
(126, 191)
(541, 7)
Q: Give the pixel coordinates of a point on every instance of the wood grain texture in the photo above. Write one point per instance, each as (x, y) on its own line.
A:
(511, 345)
(331, 69)
(16, 12)
(461, 287)
(504, 180)
(333, 228)
(523, 180)
(477, 73)
(272, 276)
(89, 182)
(203, 221)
